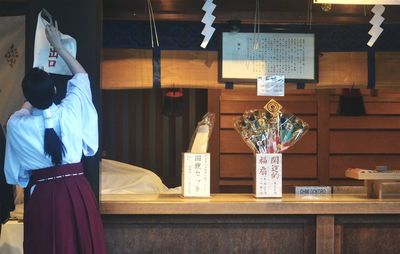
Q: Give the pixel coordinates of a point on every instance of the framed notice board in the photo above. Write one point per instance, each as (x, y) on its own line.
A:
(244, 56)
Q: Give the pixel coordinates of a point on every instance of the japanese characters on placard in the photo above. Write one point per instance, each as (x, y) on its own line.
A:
(282, 55)
(196, 175)
(289, 54)
(268, 175)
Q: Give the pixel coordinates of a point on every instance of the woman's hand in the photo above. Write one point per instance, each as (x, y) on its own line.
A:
(54, 36)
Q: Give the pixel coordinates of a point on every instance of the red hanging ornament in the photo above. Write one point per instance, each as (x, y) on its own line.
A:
(173, 102)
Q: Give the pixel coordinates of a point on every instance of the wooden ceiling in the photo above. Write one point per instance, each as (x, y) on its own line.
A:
(271, 11)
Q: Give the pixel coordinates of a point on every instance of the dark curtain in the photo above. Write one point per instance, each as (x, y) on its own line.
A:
(6, 190)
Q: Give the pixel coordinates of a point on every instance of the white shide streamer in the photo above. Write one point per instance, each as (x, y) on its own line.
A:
(208, 19)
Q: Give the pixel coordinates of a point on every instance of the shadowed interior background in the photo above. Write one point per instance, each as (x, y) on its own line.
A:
(135, 131)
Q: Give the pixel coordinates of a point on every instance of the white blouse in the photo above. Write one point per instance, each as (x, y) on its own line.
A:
(75, 122)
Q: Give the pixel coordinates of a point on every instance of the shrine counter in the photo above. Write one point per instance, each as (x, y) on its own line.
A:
(240, 223)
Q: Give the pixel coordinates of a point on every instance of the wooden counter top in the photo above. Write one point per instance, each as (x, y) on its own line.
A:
(113, 204)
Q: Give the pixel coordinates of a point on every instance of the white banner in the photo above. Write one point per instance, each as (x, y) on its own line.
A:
(45, 56)
(12, 65)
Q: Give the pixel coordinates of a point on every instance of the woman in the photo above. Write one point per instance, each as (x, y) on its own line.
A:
(44, 147)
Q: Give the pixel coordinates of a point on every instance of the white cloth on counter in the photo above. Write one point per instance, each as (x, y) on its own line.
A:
(123, 178)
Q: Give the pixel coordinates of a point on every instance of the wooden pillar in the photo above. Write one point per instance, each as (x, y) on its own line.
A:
(83, 21)
(325, 234)
(213, 106)
(323, 97)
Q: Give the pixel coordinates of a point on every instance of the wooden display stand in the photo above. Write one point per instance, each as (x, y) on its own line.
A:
(379, 184)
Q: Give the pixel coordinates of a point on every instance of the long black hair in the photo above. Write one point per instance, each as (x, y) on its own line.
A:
(39, 89)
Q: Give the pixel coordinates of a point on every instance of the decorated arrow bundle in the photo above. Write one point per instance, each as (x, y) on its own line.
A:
(271, 129)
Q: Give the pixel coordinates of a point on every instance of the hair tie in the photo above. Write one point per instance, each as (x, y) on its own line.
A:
(48, 120)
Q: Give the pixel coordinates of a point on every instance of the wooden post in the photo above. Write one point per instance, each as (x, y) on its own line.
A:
(325, 234)
(213, 106)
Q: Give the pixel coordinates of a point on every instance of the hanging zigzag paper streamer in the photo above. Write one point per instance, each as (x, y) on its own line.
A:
(376, 21)
(208, 19)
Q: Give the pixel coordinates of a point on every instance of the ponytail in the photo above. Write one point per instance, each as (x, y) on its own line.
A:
(38, 88)
(53, 145)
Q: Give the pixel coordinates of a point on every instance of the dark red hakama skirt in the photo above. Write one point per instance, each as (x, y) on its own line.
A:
(62, 216)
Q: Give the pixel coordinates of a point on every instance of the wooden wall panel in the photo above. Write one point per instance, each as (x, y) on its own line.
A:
(343, 69)
(339, 163)
(387, 66)
(367, 234)
(373, 108)
(237, 166)
(184, 68)
(236, 159)
(343, 141)
(249, 92)
(376, 102)
(132, 68)
(364, 142)
(242, 166)
(364, 122)
(203, 234)
(127, 69)
(231, 142)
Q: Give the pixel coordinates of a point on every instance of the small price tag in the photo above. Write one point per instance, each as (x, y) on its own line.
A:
(271, 85)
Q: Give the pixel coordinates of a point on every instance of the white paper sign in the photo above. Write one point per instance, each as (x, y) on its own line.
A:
(288, 54)
(268, 182)
(271, 85)
(196, 175)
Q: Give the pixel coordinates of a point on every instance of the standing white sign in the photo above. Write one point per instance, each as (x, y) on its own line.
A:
(196, 174)
(268, 175)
